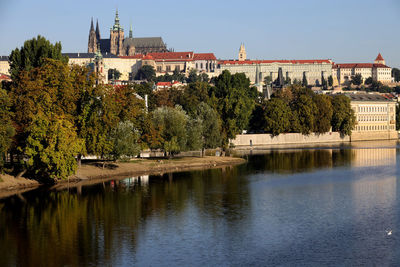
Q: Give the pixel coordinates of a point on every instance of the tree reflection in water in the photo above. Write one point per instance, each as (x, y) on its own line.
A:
(94, 224)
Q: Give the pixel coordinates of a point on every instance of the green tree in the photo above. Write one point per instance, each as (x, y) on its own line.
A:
(51, 146)
(193, 77)
(177, 76)
(171, 123)
(257, 121)
(323, 83)
(277, 117)
(397, 117)
(113, 74)
(303, 109)
(235, 101)
(211, 126)
(396, 74)
(267, 79)
(357, 79)
(33, 54)
(323, 114)
(146, 72)
(194, 129)
(125, 138)
(204, 77)
(304, 81)
(6, 128)
(369, 80)
(330, 81)
(343, 119)
(192, 95)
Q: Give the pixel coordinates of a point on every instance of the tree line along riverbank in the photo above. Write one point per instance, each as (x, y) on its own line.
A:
(53, 114)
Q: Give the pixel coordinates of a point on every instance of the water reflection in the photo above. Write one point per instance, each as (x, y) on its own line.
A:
(284, 207)
(96, 224)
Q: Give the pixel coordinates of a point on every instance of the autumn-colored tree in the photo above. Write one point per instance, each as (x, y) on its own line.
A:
(6, 128)
(45, 106)
(51, 147)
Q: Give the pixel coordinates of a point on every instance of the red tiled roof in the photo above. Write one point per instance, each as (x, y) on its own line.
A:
(148, 57)
(359, 66)
(249, 62)
(164, 84)
(379, 57)
(172, 55)
(138, 56)
(204, 56)
(4, 77)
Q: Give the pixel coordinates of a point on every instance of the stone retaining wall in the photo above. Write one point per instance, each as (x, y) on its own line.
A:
(297, 138)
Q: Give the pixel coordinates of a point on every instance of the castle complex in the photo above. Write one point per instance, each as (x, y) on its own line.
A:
(118, 45)
(129, 54)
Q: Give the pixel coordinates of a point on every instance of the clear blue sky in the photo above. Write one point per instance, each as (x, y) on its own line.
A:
(345, 31)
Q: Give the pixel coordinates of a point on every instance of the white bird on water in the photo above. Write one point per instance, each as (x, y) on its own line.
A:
(389, 232)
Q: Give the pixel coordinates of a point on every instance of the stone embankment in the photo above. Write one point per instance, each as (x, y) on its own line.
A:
(297, 138)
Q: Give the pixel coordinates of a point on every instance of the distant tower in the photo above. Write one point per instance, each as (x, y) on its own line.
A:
(92, 44)
(130, 32)
(379, 60)
(242, 53)
(116, 37)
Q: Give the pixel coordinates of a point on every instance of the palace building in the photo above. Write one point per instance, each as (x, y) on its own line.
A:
(378, 71)
(375, 116)
(314, 70)
(120, 45)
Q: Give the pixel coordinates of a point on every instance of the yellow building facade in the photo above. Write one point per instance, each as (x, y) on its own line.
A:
(375, 116)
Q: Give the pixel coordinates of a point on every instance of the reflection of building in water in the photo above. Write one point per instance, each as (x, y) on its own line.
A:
(367, 157)
(137, 180)
(374, 196)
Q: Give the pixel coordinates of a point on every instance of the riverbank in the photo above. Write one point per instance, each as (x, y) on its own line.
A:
(94, 172)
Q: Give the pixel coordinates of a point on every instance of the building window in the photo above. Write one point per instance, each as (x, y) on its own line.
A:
(158, 68)
(168, 68)
(177, 68)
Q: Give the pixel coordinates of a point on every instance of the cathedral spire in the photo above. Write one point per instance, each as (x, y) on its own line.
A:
(91, 25)
(97, 30)
(130, 32)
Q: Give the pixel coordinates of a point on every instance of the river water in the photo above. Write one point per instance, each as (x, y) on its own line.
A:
(321, 206)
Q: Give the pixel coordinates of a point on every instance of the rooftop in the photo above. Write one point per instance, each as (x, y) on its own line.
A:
(294, 61)
(358, 65)
(379, 57)
(88, 55)
(368, 97)
(204, 56)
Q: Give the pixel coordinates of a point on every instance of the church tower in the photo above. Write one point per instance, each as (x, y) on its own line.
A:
(92, 44)
(379, 60)
(116, 37)
(242, 53)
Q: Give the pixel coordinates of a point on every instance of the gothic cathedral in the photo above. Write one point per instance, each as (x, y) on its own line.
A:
(118, 45)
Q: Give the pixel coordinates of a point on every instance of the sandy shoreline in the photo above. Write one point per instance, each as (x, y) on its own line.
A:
(94, 173)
